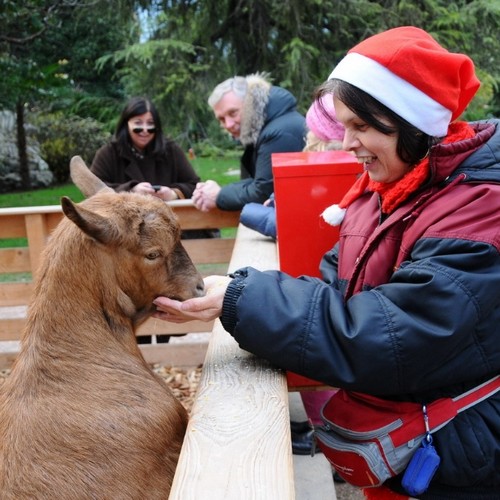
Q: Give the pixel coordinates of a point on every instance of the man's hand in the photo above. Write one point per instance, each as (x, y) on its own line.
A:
(205, 195)
(204, 308)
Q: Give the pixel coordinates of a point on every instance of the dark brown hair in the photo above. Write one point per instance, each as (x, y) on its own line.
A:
(135, 107)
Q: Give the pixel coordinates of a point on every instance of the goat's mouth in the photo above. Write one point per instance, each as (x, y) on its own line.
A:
(178, 298)
(175, 297)
(198, 291)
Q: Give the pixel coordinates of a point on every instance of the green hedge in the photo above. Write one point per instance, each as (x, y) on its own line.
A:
(62, 137)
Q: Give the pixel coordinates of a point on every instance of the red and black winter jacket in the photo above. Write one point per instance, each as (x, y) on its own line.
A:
(408, 307)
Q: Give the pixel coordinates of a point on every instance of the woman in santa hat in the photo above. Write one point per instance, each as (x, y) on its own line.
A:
(409, 305)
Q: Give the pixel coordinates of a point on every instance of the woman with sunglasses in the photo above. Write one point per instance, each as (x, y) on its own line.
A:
(141, 159)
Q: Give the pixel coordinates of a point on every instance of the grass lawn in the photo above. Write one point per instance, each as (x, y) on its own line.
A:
(222, 170)
(39, 197)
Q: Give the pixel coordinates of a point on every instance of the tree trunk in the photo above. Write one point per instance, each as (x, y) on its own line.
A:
(21, 147)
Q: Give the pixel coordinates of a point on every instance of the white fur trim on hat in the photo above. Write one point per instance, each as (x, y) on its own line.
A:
(333, 215)
(397, 94)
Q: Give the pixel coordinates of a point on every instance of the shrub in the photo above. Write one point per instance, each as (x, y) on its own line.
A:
(62, 137)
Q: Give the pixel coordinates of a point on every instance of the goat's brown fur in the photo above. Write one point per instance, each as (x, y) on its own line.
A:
(82, 416)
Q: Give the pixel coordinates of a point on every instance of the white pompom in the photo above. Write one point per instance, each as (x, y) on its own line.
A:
(333, 215)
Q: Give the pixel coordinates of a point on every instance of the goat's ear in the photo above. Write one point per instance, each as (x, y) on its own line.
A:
(88, 183)
(94, 225)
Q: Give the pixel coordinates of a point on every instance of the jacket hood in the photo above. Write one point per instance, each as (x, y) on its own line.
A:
(478, 158)
(263, 103)
(484, 164)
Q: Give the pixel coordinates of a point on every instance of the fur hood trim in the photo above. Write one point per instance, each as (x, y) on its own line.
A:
(254, 108)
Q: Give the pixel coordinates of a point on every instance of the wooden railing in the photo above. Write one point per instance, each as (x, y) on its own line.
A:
(35, 225)
(238, 443)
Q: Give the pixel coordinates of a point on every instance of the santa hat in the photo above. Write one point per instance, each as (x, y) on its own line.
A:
(322, 121)
(409, 72)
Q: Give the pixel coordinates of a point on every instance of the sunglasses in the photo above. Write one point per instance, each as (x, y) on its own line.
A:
(138, 130)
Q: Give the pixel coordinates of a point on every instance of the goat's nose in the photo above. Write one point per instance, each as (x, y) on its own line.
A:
(200, 289)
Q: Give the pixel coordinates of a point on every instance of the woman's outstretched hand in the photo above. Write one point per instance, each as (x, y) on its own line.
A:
(204, 308)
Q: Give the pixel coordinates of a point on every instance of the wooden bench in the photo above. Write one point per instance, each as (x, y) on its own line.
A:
(35, 225)
(238, 443)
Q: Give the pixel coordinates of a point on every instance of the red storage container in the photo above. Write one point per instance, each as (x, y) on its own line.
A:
(305, 184)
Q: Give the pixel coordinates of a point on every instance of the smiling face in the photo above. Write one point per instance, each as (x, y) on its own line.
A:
(228, 113)
(140, 139)
(376, 150)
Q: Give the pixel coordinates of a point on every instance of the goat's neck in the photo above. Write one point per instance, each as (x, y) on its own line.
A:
(71, 304)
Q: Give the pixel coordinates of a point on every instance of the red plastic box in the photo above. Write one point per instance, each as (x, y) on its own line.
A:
(305, 184)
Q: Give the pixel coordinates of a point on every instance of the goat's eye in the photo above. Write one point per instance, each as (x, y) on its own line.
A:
(153, 255)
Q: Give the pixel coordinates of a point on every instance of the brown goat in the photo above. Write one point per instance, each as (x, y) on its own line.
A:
(82, 416)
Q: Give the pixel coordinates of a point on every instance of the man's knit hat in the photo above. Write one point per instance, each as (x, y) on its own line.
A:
(409, 72)
(322, 121)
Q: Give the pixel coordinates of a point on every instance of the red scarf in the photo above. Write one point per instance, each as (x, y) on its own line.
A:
(395, 193)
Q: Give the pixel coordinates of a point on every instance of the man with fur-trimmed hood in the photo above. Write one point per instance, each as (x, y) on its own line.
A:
(265, 120)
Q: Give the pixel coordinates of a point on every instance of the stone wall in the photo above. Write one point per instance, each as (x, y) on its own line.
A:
(10, 178)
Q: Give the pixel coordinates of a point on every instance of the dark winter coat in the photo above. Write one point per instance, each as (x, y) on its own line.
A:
(409, 307)
(122, 171)
(270, 124)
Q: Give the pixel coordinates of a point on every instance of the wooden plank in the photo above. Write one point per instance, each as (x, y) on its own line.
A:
(12, 219)
(39, 209)
(14, 260)
(13, 319)
(11, 328)
(201, 251)
(7, 358)
(209, 251)
(238, 443)
(253, 249)
(158, 327)
(37, 232)
(14, 294)
(52, 220)
(184, 352)
(12, 226)
(191, 218)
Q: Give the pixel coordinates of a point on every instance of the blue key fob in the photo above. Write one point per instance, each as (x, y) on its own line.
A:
(421, 469)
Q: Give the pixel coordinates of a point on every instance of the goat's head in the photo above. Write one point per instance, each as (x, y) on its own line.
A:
(136, 239)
